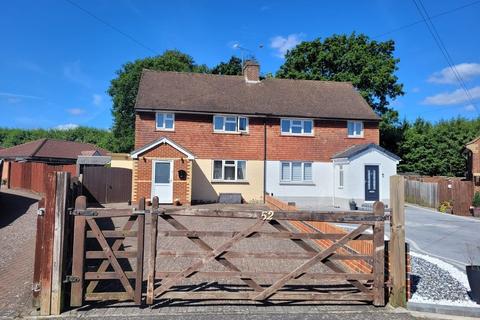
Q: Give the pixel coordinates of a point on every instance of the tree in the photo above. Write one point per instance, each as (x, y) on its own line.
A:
(369, 65)
(392, 131)
(123, 90)
(232, 68)
(436, 149)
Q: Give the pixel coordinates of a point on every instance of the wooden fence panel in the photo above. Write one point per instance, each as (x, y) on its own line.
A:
(107, 185)
(422, 193)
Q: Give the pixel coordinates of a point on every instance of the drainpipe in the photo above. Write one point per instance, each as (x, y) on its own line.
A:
(264, 158)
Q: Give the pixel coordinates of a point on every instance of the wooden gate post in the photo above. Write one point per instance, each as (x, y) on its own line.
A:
(139, 259)
(78, 259)
(379, 256)
(47, 246)
(152, 256)
(61, 198)
(397, 261)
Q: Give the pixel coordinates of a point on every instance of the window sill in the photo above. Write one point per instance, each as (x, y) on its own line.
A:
(236, 133)
(297, 135)
(297, 183)
(355, 137)
(229, 182)
(168, 130)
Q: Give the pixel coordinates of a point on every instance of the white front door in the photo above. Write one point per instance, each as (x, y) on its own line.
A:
(162, 180)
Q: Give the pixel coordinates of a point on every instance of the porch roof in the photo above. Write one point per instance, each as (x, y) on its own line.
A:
(135, 153)
(353, 151)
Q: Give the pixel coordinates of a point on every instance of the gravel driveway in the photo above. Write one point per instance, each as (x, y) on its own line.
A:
(17, 237)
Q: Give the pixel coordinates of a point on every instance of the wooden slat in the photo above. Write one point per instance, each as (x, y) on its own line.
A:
(118, 254)
(277, 255)
(306, 265)
(108, 296)
(397, 242)
(152, 255)
(139, 258)
(62, 185)
(379, 257)
(38, 256)
(354, 217)
(115, 246)
(78, 261)
(208, 257)
(111, 256)
(108, 275)
(262, 275)
(115, 234)
(277, 296)
(46, 271)
(281, 235)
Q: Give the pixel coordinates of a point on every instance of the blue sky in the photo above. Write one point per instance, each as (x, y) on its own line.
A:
(56, 61)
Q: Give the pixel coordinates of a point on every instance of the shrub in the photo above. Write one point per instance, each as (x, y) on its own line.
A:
(476, 200)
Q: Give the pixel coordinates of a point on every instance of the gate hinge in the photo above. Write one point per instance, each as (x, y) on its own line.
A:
(41, 211)
(71, 279)
(36, 287)
(89, 213)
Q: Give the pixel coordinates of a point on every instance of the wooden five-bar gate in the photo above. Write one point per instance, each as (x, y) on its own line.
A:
(188, 280)
(207, 253)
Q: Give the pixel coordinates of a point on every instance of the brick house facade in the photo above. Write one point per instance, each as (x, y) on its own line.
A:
(227, 134)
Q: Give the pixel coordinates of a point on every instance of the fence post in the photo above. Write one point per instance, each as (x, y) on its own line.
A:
(61, 198)
(153, 251)
(397, 242)
(38, 254)
(78, 257)
(139, 260)
(379, 255)
(47, 247)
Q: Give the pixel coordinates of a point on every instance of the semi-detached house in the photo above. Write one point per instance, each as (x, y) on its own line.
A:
(312, 142)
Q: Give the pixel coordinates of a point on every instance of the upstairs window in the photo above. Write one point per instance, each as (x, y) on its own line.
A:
(165, 121)
(230, 124)
(229, 170)
(355, 129)
(296, 172)
(297, 127)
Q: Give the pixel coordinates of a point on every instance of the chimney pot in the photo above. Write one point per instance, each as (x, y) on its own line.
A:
(251, 71)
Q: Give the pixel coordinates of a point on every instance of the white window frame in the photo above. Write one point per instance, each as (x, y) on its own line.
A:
(235, 165)
(165, 114)
(341, 176)
(237, 122)
(290, 133)
(355, 123)
(290, 165)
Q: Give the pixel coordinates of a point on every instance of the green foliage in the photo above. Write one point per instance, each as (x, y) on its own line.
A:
(99, 137)
(392, 131)
(476, 200)
(232, 68)
(369, 65)
(123, 90)
(436, 149)
(444, 206)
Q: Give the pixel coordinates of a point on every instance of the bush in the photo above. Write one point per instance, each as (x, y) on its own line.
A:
(476, 200)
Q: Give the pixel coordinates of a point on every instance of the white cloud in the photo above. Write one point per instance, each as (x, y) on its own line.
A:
(97, 99)
(73, 72)
(467, 71)
(282, 44)
(455, 97)
(67, 126)
(76, 111)
(470, 108)
(18, 96)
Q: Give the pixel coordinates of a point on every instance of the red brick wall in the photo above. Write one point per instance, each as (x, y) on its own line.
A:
(330, 137)
(142, 185)
(195, 132)
(475, 147)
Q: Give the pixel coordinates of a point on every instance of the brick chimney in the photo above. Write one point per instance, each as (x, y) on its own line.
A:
(251, 71)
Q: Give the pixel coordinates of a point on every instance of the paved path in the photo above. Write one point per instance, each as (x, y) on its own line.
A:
(443, 236)
(17, 238)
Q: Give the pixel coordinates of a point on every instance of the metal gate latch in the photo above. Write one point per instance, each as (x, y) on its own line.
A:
(71, 279)
(89, 213)
(41, 211)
